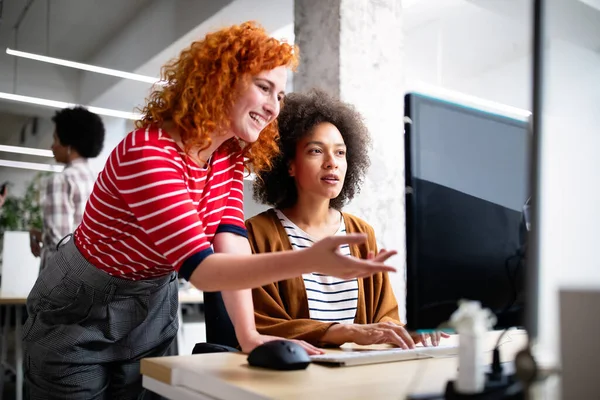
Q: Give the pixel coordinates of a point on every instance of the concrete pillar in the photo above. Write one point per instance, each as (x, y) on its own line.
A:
(354, 50)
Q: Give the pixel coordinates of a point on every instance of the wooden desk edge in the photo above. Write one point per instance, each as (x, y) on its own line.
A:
(13, 300)
(157, 369)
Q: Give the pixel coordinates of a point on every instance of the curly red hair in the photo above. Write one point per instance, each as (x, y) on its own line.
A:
(199, 88)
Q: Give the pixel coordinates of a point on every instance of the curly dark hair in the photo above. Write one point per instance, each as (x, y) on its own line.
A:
(81, 129)
(301, 113)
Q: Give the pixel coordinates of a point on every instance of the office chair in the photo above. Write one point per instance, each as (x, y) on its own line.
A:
(220, 334)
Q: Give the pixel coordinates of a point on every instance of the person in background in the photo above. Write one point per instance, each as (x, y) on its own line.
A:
(3, 193)
(324, 157)
(78, 136)
(169, 201)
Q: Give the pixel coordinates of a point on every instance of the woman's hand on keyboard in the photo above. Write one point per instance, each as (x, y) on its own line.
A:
(429, 338)
(379, 333)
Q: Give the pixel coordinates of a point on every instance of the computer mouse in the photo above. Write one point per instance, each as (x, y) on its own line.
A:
(280, 355)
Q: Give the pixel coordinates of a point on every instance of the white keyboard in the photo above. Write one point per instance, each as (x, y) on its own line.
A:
(362, 357)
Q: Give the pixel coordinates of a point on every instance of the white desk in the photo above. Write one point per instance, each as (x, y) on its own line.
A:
(228, 376)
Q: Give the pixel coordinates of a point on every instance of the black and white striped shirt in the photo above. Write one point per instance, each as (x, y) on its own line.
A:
(330, 299)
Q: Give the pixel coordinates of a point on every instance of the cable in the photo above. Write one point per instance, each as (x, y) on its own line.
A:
(47, 27)
(511, 281)
(497, 369)
(15, 63)
(512, 277)
(16, 29)
(23, 13)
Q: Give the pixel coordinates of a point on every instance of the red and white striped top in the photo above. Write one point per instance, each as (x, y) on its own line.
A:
(151, 212)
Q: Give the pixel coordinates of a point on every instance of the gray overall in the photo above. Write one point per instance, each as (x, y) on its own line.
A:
(87, 330)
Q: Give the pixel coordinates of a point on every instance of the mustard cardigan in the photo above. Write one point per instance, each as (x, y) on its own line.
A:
(281, 308)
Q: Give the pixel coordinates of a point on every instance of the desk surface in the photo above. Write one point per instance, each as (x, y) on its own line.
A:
(228, 376)
(186, 296)
(13, 300)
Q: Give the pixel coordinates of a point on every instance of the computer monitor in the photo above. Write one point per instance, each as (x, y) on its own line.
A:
(466, 185)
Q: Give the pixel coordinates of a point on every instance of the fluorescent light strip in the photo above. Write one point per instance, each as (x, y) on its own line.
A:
(61, 104)
(30, 165)
(26, 150)
(85, 67)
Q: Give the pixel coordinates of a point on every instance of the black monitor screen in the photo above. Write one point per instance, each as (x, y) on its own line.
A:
(466, 176)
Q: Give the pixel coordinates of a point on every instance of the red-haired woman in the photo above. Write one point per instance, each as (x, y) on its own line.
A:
(170, 200)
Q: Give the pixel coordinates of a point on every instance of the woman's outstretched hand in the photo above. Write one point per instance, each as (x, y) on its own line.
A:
(325, 258)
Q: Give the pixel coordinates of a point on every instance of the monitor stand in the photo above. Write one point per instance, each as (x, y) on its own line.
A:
(507, 387)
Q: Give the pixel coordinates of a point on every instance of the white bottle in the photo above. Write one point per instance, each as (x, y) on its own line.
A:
(471, 322)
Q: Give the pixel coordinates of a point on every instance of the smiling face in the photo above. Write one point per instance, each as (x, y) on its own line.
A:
(258, 104)
(319, 167)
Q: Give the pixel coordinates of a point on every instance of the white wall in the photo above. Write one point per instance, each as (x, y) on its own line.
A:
(570, 215)
(115, 130)
(569, 205)
(570, 168)
(251, 207)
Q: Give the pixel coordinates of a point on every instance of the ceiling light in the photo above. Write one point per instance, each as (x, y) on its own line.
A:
(61, 104)
(26, 150)
(85, 67)
(30, 165)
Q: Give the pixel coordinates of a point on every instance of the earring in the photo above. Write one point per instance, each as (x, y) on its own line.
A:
(69, 151)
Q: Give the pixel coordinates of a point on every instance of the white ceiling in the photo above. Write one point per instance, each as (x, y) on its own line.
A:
(119, 34)
(72, 30)
(445, 40)
(77, 28)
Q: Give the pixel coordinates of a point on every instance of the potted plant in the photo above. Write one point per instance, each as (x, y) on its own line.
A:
(23, 213)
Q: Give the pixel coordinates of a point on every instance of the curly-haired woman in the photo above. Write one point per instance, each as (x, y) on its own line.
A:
(321, 167)
(170, 200)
